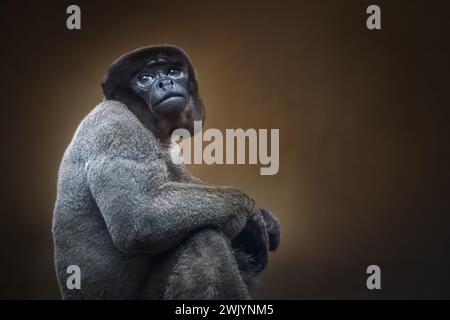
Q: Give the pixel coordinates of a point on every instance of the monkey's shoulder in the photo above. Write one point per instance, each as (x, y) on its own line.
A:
(111, 129)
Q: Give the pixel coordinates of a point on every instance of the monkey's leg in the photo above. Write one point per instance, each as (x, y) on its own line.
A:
(204, 267)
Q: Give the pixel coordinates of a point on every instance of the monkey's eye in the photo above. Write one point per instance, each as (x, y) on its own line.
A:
(174, 73)
(144, 78)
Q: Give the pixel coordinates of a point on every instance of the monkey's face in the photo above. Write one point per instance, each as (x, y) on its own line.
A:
(163, 84)
(158, 84)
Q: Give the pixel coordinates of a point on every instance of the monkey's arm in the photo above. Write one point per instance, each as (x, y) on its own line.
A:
(260, 234)
(144, 212)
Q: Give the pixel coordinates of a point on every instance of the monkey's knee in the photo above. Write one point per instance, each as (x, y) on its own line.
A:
(206, 269)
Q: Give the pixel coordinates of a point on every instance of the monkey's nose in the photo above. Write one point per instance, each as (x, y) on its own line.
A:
(164, 84)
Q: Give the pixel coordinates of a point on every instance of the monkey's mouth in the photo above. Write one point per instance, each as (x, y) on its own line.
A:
(170, 98)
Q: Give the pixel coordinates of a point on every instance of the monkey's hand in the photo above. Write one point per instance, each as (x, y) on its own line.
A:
(253, 241)
(272, 227)
(260, 234)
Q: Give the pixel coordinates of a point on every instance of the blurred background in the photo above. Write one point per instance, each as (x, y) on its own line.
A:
(363, 116)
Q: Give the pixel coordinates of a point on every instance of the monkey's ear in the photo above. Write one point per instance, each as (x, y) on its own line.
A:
(107, 87)
(115, 83)
(117, 89)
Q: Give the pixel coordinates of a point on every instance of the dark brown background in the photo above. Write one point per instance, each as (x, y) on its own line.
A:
(363, 116)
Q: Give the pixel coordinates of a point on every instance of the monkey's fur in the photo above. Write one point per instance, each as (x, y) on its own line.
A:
(139, 226)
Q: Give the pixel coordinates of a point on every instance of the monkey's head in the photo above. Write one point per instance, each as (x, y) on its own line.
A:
(159, 85)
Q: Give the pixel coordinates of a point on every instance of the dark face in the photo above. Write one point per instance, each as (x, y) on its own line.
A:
(158, 84)
(163, 84)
